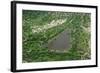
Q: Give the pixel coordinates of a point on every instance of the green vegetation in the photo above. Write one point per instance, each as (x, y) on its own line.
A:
(35, 35)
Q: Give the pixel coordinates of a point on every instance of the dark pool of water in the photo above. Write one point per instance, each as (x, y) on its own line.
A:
(61, 42)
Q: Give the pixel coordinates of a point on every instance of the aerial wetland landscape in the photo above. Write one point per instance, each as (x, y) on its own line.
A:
(55, 36)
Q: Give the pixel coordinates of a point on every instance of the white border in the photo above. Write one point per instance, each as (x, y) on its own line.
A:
(36, 65)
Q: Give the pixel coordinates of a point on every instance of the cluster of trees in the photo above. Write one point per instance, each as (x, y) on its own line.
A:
(33, 43)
